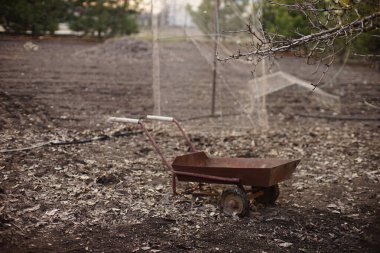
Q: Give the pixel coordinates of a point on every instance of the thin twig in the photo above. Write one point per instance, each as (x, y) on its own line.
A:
(354, 27)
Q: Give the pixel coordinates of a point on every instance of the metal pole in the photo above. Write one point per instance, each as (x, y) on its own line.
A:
(155, 146)
(214, 71)
(156, 62)
(166, 162)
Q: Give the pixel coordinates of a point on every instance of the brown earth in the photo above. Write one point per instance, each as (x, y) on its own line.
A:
(110, 192)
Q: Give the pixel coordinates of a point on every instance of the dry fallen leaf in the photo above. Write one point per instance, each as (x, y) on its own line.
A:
(285, 244)
(31, 209)
(52, 212)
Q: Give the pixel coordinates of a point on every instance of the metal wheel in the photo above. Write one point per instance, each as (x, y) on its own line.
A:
(234, 201)
(269, 194)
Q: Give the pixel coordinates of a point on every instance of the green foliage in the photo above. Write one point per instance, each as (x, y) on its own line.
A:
(93, 17)
(103, 17)
(292, 24)
(368, 42)
(279, 20)
(203, 16)
(230, 18)
(41, 16)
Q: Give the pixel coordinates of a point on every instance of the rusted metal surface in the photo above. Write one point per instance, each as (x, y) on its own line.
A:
(197, 177)
(250, 171)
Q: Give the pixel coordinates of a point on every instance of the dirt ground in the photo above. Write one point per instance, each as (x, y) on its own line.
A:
(89, 185)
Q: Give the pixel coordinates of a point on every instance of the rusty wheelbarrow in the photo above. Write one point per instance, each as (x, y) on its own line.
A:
(262, 175)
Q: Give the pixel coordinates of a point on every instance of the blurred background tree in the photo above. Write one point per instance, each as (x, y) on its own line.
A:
(283, 20)
(232, 15)
(291, 19)
(103, 17)
(38, 17)
(92, 17)
(280, 21)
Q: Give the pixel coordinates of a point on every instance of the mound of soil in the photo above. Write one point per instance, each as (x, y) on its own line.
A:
(114, 48)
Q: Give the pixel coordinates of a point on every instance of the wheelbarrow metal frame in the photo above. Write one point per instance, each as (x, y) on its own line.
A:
(225, 170)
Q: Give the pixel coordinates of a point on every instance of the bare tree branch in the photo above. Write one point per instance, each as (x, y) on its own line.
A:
(269, 48)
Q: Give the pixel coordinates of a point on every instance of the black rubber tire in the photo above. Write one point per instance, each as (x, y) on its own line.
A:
(234, 201)
(270, 194)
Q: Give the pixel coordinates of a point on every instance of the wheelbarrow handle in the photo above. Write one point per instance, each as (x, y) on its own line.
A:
(172, 119)
(124, 120)
(160, 118)
(150, 138)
